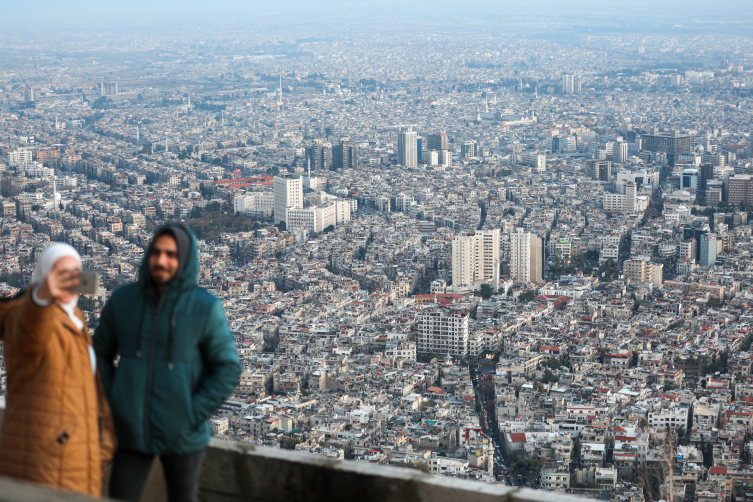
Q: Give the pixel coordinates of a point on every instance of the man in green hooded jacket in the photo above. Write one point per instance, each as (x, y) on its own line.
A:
(177, 364)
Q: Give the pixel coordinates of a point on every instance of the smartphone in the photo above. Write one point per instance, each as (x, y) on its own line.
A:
(88, 282)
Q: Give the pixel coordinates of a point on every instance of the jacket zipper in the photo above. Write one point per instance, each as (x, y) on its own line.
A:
(148, 398)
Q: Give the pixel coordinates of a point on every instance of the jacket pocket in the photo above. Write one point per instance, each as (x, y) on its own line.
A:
(172, 413)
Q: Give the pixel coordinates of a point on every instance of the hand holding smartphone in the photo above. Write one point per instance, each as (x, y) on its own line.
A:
(88, 282)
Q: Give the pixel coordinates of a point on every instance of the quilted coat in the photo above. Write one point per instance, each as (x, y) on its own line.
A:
(57, 429)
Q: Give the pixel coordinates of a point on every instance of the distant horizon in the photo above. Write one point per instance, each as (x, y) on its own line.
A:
(230, 13)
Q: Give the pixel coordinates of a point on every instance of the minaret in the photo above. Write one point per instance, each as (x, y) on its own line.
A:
(56, 121)
(189, 101)
(138, 139)
(309, 159)
(279, 92)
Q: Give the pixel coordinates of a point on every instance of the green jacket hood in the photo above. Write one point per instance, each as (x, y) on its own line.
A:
(189, 276)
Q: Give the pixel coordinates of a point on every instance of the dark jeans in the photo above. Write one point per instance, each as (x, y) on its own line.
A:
(130, 470)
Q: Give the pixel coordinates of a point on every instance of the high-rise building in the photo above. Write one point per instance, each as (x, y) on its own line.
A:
(475, 258)
(437, 142)
(442, 330)
(320, 155)
(419, 148)
(469, 149)
(108, 88)
(707, 173)
(464, 260)
(568, 84)
(288, 194)
(432, 157)
(740, 189)
(599, 169)
(344, 155)
(631, 197)
(29, 94)
(620, 152)
(407, 155)
(708, 250)
(445, 158)
(671, 144)
(526, 257)
(487, 257)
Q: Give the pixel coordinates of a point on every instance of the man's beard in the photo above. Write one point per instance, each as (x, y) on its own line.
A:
(159, 281)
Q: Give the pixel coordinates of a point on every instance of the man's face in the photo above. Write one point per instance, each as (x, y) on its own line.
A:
(163, 259)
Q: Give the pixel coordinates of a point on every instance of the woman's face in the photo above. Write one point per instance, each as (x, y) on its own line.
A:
(67, 264)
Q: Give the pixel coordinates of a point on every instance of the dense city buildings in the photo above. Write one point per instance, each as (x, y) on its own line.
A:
(518, 253)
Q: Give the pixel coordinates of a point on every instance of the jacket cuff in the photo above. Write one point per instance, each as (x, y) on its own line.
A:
(37, 301)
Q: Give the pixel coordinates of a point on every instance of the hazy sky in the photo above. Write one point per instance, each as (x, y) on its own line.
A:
(137, 12)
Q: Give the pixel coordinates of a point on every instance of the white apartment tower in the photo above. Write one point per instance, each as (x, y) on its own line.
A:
(631, 197)
(568, 84)
(525, 256)
(475, 258)
(464, 260)
(407, 147)
(288, 194)
(487, 256)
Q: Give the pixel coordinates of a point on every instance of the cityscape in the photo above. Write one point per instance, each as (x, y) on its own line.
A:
(508, 248)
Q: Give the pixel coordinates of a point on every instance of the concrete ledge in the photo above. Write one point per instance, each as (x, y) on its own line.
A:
(238, 472)
(17, 491)
(235, 472)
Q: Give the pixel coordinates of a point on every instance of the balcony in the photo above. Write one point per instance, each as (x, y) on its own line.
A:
(237, 472)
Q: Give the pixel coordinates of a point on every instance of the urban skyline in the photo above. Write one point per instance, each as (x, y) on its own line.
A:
(505, 243)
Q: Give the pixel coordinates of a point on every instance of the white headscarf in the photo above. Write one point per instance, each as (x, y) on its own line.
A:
(46, 261)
